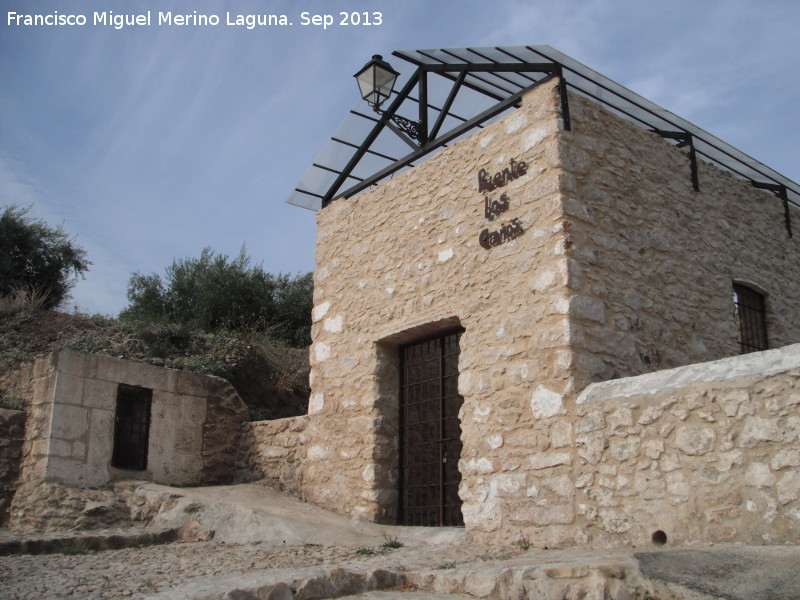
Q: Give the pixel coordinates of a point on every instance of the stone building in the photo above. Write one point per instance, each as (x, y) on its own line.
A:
(94, 420)
(570, 232)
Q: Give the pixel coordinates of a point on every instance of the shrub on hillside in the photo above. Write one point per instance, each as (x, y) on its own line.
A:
(37, 260)
(213, 293)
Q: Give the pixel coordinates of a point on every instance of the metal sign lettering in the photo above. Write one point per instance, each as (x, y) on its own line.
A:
(510, 231)
(493, 209)
(488, 183)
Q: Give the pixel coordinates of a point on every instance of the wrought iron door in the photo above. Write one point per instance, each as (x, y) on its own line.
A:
(430, 432)
(132, 428)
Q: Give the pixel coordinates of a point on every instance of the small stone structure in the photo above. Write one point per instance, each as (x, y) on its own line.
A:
(596, 260)
(76, 437)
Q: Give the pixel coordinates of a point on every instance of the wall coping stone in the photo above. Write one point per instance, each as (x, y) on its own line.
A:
(768, 362)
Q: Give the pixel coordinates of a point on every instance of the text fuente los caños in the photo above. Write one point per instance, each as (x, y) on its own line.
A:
(494, 208)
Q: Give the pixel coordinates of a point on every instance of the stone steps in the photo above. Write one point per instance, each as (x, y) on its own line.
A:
(77, 542)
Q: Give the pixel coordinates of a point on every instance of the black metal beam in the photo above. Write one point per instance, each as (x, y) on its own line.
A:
(780, 191)
(685, 139)
(562, 92)
(332, 170)
(297, 189)
(440, 141)
(474, 86)
(493, 61)
(496, 78)
(452, 77)
(491, 68)
(356, 146)
(447, 105)
(399, 133)
(423, 108)
(371, 137)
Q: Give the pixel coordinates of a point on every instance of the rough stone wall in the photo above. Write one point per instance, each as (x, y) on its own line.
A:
(12, 435)
(622, 268)
(704, 453)
(194, 428)
(16, 383)
(51, 506)
(654, 261)
(404, 260)
(274, 451)
(225, 416)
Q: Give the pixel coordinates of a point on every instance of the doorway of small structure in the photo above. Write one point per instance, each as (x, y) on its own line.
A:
(131, 428)
(430, 432)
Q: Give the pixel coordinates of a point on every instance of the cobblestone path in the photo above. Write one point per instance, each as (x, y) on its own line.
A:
(153, 570)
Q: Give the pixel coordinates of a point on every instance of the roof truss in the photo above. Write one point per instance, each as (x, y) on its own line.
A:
(430, 138)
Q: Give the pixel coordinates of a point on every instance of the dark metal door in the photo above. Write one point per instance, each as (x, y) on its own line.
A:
(131, 428)
(430, 432)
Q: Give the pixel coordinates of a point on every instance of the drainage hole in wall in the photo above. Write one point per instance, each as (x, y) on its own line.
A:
(659, 538)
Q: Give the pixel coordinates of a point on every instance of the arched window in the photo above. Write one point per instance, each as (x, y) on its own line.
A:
(751, 315)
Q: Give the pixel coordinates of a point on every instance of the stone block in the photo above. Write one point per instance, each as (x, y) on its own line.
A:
(789, 487)
(481, 584)
(567, 572)
(68, 389)
(509, 485)
(60, 448)
(158, 378)
(695, 440)
(589, 308)
(78, 364)
(119, 371)
(553, 514)
(786, 457)
(449, 582)
(757, 430)
(69, 422)
(561, 434)
(759, 475)
(100, 394)
(192, 384)
(593, 421)
(546, 403)
(549, 460)
(591, 447)
(69, 471)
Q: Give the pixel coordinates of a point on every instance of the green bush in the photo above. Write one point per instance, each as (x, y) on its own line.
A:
(12, 403)
(37, 260)
(213, 293)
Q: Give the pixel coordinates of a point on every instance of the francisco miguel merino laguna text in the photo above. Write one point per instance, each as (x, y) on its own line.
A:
(119, 20)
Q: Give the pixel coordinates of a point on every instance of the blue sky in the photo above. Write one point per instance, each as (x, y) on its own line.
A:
(150, 143)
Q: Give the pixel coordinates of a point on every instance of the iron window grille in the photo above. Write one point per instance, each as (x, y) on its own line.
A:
(131, 428)
(751, 315)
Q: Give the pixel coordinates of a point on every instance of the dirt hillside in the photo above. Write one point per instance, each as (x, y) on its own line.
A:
(272, 380)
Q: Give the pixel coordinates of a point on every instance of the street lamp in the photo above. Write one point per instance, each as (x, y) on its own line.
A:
(376, 82)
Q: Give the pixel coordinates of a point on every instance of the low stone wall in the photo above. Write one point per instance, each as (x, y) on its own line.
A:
(694, 455)
(12, 435)
(274, 451)
(41, 506)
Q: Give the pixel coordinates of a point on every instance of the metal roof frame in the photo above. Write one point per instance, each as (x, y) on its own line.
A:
(474, 86)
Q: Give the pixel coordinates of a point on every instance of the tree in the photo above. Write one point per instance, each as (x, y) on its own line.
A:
(35, 256)
(214, 293)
